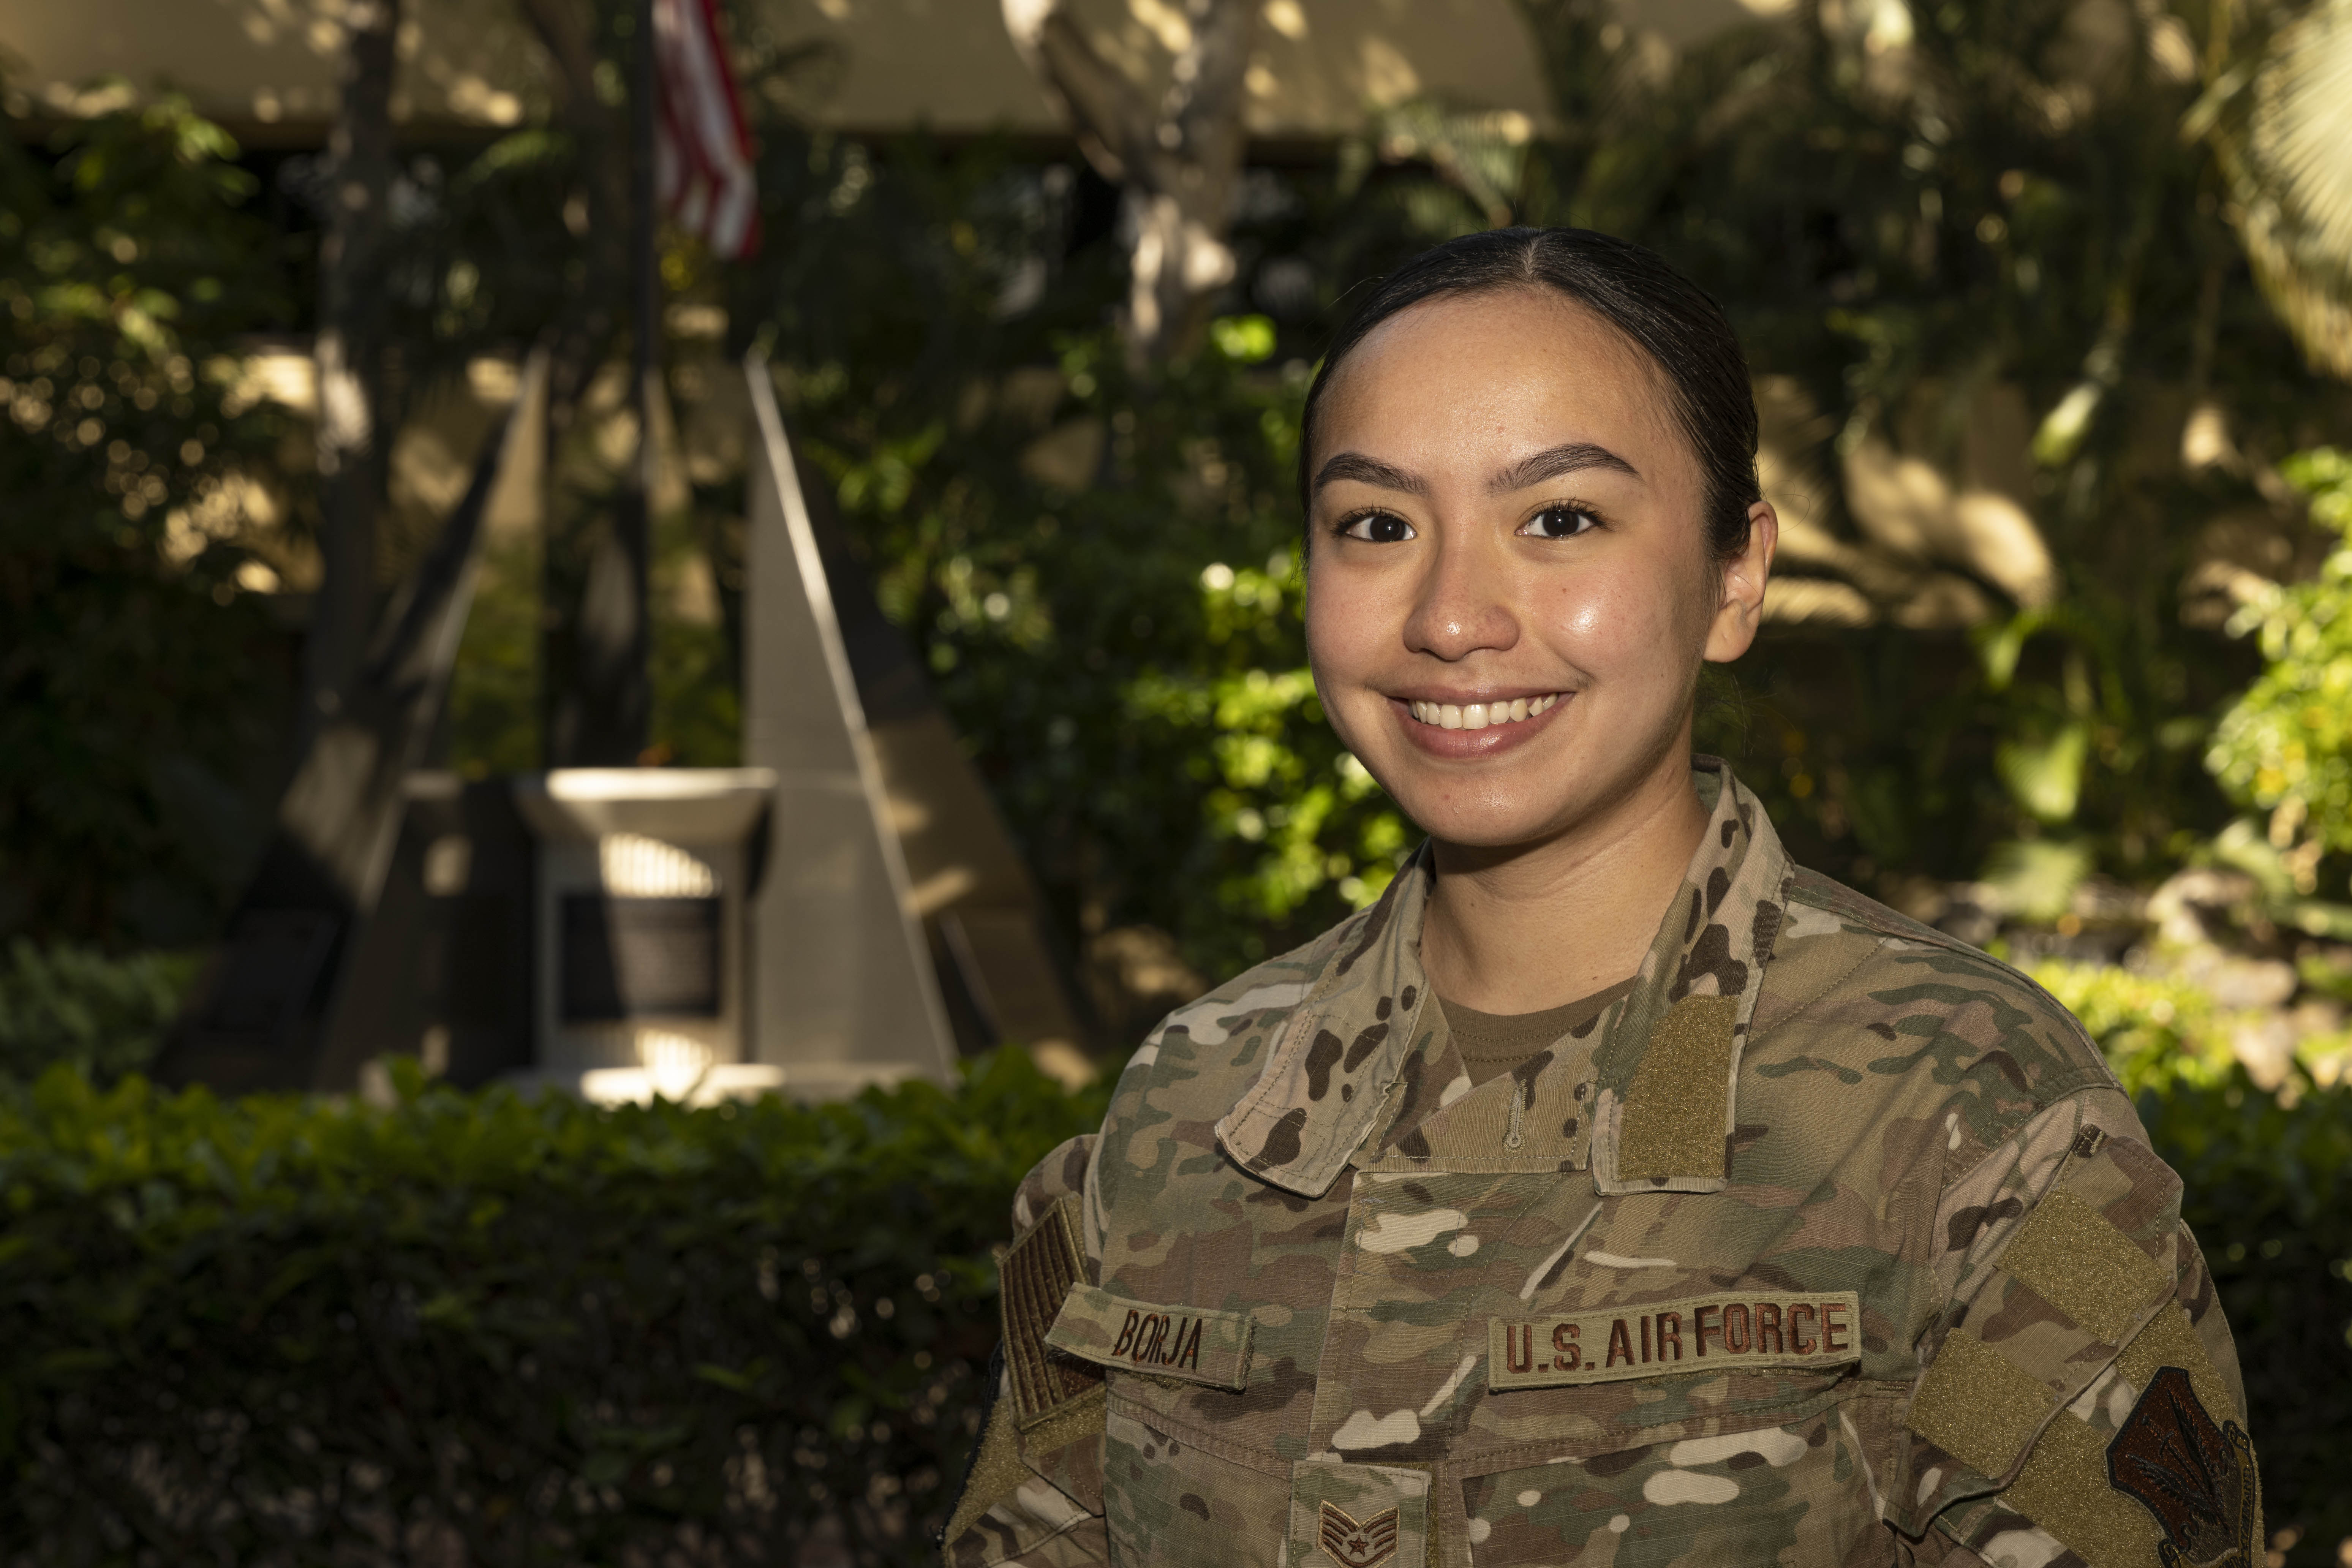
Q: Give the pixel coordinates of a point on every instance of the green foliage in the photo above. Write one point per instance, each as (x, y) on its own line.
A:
(2157, 1032)
(139, 690)
(494, 689)
(516, 1330)
(2161, 1032)
(2269, 1196)
(102, 1016)
(2286, 746)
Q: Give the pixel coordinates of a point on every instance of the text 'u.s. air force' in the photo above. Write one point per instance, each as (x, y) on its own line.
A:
(1734, 1332)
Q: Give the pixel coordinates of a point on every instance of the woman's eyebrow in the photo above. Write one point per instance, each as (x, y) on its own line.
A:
(1371, 471)
(1558, 460)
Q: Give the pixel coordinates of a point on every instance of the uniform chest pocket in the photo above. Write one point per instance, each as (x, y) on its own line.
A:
(1768, 1494)
(1705, 1429)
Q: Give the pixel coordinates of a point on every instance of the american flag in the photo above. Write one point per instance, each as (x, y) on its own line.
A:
(703, 156)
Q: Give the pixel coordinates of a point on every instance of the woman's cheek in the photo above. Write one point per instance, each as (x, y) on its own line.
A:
(1345, 618)
(1596, 621)
(1614, 624)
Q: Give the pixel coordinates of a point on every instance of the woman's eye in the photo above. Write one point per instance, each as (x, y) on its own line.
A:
(1379, 528)
(1559, 523)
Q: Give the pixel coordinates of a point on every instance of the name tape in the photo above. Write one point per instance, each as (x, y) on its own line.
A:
(1734, 1332)
(1188, 1342)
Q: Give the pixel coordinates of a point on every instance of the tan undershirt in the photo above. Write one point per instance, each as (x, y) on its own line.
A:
(1492, 1044)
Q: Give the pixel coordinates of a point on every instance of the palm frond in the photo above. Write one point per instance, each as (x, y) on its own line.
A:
(2285, 144)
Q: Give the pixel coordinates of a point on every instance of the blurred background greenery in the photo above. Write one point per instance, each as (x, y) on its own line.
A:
(2056, 605)
(2050, 346)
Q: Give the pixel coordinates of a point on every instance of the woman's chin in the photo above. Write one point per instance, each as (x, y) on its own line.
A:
(1498, 825)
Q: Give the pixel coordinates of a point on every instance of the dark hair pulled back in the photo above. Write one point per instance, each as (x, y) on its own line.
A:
(1667, 316)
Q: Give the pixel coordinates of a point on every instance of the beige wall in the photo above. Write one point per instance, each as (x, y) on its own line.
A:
(267, 67)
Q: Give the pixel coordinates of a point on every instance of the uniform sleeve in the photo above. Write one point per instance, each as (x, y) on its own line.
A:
(2082, 1402)
(1032, 1495)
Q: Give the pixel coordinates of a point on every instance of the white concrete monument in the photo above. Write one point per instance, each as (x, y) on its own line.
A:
(842, 991)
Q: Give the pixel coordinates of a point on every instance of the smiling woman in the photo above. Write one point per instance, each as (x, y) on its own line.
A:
(1612, 1185)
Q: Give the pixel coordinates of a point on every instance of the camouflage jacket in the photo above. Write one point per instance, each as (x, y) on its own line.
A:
(1833, 1242)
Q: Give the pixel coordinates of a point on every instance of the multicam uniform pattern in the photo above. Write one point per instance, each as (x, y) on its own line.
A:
(1833, 1242)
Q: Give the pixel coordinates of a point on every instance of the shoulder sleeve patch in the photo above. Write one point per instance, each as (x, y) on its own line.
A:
(2079, 1390)
(2198, 1480)
(2076, 1259)
(1979, 1406)
(1036, 1276)
(2167, 1483)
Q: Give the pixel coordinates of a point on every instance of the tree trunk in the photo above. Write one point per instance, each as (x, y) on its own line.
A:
(595, 654)
(349, 358)
(1179, 162)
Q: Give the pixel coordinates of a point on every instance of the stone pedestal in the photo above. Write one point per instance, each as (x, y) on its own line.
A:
(642, 891)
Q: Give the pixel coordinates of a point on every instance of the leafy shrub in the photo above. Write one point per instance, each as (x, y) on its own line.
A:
(104, 1016)
(2156, 1030)
(2270, 1198)
(487, 1329)
(141, 685)
(2286, 746)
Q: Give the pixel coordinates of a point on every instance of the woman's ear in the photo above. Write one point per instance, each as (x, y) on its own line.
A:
(1739, 611)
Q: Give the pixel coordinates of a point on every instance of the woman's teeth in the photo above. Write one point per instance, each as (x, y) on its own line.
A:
(1480, 715)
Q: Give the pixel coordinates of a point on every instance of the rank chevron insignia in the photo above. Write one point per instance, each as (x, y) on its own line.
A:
(1353, 1545)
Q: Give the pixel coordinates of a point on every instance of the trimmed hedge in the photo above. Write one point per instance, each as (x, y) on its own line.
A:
(2270, 1198)
(79, 1005)
(480, 1329)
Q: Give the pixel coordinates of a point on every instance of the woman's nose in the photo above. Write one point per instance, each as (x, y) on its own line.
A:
(1460, 607)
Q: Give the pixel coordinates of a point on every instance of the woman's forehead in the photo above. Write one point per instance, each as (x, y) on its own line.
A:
(1497, 368)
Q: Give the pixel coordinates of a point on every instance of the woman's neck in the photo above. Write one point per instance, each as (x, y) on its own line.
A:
(1533, 926)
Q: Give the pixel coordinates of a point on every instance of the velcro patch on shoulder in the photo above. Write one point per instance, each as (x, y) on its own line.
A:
(1037, 1274)
(2074, 1258)
(1189, 1342)
(1734, 1332)
(1979, 1406)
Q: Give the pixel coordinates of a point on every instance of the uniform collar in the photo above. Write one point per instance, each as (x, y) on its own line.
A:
(1666, 1063)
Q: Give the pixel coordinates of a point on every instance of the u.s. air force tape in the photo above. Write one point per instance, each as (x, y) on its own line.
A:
(1734, 1332)
(1189, 1342)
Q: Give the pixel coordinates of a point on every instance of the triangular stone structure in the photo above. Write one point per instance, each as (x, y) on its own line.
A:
(262, 1015)
(843, 992)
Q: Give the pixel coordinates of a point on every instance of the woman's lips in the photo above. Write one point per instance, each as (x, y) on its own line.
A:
(1520, 720)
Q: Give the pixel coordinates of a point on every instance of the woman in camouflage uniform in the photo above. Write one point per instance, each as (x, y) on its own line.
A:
(1613, 1191)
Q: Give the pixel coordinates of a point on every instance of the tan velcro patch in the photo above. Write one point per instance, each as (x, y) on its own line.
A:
(1733, 1332)
(1673, 1122)
(1979, 1406)
(2074, 1258)
(1036, 1276)
(2171, 1340)
(2064, 1487)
